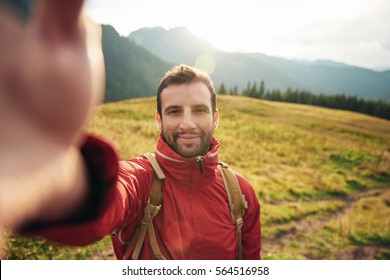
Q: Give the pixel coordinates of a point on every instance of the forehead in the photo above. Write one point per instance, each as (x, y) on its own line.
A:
(190, 94)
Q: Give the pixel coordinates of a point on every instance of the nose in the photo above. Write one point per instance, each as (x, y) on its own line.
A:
(187, 121)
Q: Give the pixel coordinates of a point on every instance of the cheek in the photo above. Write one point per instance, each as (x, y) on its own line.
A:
(166, 130)
(169, 124)
(206, 123)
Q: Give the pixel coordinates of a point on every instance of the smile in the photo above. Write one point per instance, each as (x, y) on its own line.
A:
(188, 136)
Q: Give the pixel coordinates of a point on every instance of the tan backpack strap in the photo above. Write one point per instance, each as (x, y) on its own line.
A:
(151, 209)
(133, 239)
(150, 212)
(156, 167)
(237, 201)
(152, 234)
(143, 228)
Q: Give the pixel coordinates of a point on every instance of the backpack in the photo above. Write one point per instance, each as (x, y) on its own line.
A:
(237, 206)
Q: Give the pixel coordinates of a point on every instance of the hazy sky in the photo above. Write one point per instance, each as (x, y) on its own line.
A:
(356, 32)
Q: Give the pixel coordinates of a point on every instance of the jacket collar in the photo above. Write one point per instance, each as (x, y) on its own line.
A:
(170, 159)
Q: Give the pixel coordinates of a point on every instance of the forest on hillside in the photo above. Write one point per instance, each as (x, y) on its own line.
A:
(377, 108)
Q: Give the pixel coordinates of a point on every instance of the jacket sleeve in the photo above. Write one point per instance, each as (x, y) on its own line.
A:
(115, 193)
(251, 231)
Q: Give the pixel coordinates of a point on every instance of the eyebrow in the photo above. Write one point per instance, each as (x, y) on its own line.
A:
(178, 107)
(201, 106)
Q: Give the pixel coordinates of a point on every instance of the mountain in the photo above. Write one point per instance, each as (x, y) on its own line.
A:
(185, 46)
(179, 45)
(131, 70)
(386, 73)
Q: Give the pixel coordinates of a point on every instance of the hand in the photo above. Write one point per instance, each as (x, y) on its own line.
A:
(51, 79)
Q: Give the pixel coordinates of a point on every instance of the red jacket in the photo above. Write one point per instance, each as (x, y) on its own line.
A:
(194, 222)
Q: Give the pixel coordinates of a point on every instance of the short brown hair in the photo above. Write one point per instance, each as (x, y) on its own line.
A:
(184, 74)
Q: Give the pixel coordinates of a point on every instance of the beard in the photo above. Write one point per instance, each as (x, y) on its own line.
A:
(188, 150)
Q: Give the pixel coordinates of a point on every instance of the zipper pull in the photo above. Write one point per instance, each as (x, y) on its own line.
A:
(199, 160)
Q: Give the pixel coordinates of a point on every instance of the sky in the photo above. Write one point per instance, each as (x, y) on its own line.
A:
(356, 32)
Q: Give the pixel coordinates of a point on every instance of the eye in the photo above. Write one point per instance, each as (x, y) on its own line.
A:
(173, 112)
(201, 110)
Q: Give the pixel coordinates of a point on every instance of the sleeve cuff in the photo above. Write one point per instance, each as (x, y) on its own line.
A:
(101, 160)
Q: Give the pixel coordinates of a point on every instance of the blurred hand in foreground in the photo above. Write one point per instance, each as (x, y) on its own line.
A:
(51, 79)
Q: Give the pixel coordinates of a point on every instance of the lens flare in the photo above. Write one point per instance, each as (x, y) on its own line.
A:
(205, 62)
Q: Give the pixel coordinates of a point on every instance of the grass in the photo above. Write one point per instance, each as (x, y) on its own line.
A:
(304, 163)
(368, 222)
(27, 248)
(295, 211)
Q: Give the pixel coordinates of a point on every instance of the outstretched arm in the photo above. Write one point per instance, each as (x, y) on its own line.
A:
(51, 79)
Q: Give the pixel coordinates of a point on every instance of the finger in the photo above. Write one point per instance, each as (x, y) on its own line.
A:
(96, 60)
(58, 18)
(10, 42)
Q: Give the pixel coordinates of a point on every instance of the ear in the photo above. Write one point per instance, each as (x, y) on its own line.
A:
(159, 121)
(215, 119)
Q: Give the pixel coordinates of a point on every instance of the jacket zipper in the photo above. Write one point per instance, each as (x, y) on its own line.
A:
(199, 160)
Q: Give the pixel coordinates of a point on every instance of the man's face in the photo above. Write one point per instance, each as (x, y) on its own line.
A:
(187, 121)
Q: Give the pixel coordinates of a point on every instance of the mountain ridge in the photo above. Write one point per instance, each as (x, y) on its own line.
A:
(179, 45)
(131, 70)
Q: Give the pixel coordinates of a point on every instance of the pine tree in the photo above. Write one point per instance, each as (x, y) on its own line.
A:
(222, 89)
(261, 92)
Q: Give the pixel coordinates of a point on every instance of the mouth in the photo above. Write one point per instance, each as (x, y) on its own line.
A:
(188, 136)
(187, 139)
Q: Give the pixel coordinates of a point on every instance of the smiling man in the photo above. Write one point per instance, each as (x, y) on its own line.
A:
(195, 222)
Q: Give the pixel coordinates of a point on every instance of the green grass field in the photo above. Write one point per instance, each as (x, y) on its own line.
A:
(322, 176)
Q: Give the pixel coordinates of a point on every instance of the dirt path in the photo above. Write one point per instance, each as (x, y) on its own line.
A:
(312, 224)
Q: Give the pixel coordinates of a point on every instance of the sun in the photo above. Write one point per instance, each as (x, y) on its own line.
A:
(239, 26)
(219, 24)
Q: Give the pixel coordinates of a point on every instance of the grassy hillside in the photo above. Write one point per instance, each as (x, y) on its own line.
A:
(322, 176)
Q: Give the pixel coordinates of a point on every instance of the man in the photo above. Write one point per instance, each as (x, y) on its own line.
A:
(98, 195)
